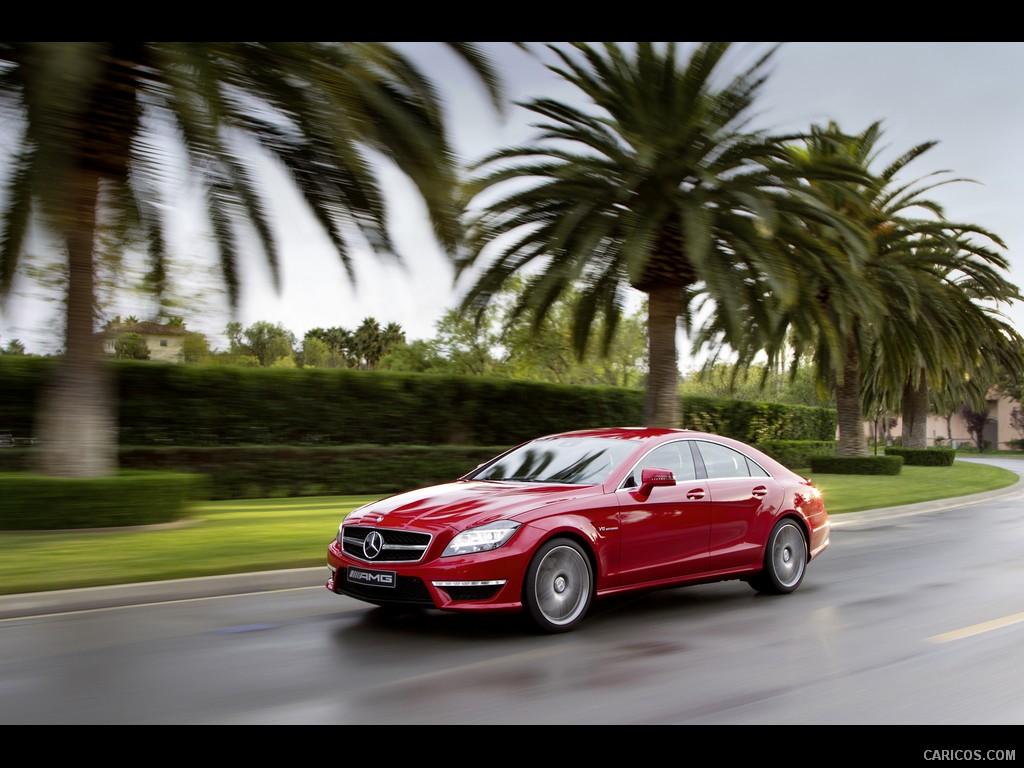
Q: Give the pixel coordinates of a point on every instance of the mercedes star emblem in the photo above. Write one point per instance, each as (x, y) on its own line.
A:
(373, 544)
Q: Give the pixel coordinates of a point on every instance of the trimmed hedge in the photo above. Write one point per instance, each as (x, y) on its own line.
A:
(36, 503)
(239, 472)
(261, 432)
(15, 459)
(170, 404)
(797, 453)
(857, 465)
(923, 457)
(757, 422)
(255, 471)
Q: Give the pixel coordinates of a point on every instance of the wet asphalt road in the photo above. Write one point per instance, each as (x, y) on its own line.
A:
(912, 616)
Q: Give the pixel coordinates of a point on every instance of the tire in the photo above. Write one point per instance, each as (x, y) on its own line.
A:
(559, 586)
(785, 560)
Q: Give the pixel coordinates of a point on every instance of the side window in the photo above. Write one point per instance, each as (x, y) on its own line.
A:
(675, 457)
(720, 461)
(756, 470)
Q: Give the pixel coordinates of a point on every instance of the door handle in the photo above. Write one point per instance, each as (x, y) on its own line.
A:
(695, 495)
(760, 492)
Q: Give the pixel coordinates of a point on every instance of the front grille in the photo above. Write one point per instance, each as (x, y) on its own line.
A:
(408, 591)
(399, 546)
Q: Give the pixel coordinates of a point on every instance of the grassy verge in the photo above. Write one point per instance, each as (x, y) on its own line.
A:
(239, 536)
(854, 493)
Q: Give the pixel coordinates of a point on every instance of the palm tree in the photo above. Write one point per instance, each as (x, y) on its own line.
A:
(367, 344)
(946, 332)
(99, 123)
(661, 188)
(936, 275)
(391, 336)
(893, 325)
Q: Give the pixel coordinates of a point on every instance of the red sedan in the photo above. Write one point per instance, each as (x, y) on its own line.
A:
(548, 526)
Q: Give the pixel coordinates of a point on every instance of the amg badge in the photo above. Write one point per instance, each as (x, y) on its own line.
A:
(373, 578)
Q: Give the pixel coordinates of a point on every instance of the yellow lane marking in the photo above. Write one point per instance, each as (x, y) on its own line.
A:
(977, 629)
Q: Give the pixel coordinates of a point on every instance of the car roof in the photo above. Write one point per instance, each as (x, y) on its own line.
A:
(629, 433)
(654, 436)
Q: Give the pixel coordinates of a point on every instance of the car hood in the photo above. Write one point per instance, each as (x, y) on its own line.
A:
(464, 504)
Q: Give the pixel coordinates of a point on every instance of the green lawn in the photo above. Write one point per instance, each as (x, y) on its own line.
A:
(849, 493)
(266, 534)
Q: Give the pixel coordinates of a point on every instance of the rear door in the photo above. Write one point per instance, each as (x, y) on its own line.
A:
(743, 501)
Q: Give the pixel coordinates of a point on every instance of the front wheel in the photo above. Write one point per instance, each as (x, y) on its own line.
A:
(785, 560)
(559, 585)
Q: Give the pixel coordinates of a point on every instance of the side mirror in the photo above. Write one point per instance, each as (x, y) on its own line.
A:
(653, 478)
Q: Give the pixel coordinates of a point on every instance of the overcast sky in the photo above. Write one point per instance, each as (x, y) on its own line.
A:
(967, 96)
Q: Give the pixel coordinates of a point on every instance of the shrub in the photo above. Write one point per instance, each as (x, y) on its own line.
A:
(269, 471)
(33, 502)
(923, 457)
(857, 465)
(797, 453)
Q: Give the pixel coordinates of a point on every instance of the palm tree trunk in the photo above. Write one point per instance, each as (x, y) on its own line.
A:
(76, 422)
(849, 411)
(664, 306)
(915, 413)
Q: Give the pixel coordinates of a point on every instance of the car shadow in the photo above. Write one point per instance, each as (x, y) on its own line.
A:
(375, 623)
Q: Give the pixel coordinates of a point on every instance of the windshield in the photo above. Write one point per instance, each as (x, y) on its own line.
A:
(572, 460)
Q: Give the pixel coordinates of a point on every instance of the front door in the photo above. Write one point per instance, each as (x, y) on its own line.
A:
(665, 535)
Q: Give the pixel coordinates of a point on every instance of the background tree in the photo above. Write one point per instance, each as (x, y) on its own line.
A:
(329, 348)
(366, 343)
(950, 340)
(267, 342)
(341, 348)
(391, 336)
(316, 353)
(131, 346)
(937, 276)
(1017, 422)
(911, 308)
(417, 356)
(508, 344)
(658, 186)
(91, 126)
(469, 344)
(13, 347)
(543, 348)
(195, 348)
(756, 382)
(976, 417)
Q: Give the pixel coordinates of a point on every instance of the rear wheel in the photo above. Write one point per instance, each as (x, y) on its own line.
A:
(559, 586)
(785, 560)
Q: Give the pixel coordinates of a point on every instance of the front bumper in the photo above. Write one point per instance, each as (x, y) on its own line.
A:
(485, 581)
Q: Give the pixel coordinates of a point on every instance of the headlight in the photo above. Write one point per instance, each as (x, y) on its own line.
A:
(482, 539)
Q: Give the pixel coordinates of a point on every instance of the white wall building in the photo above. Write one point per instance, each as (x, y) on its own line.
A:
(998, 432)
(165, 342)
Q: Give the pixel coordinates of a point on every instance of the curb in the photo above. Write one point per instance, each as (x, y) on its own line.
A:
(909, 510)
(95, 598)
